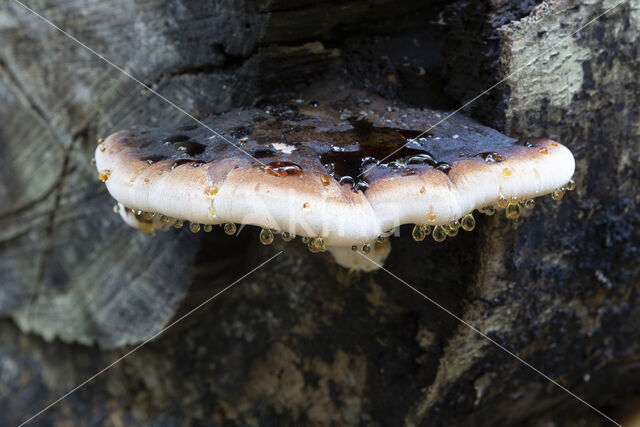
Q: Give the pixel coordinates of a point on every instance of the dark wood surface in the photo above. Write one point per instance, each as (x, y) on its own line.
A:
(300, 341)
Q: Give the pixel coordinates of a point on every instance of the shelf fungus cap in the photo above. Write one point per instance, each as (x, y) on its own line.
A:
(310, 172)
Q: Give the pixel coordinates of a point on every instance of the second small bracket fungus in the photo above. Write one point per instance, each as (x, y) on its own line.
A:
(336, 183)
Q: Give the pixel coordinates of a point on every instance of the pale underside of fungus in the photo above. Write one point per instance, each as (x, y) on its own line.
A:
(339, 174)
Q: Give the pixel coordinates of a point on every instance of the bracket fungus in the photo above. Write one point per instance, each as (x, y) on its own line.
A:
(340, 175)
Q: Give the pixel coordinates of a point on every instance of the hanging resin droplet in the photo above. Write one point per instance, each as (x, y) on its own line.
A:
(116, 209)
(468, 222)
(266, 236)
(306, 206)
(164, 218)
(194, 227)
(207, 228)
(530, 204)
(305, 240)
(571, 185)
(506, 172)
(439, 233)
(178, 224)
(93, 162)
(366, 248)
(212, 212)
(230, 229)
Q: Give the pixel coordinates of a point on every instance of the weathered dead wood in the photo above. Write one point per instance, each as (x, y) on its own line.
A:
(298, 342)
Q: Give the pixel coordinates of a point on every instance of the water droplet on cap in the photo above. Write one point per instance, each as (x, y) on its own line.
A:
(104, 175)
(211, 192)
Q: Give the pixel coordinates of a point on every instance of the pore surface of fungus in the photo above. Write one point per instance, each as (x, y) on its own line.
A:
(339, 173)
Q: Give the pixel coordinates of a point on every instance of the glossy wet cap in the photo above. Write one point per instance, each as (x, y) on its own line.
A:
(316, 172)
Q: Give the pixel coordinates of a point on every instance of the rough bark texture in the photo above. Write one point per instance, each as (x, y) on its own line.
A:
(300, 341)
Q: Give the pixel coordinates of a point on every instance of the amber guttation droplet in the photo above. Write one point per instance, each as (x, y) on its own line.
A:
(100, 141)
(431, 216)
(148, 215)
(230, 229)
(317, 245)
(211, 192)
(266, 236)
(164, 219)
(93, 161)
(450, 230)
(558, 194)
(104, 175)
(207, 228)
(488, 210)
(366, 248)
(287, 237)
(571, 185)
(455, 224)
(132, 181)
(305, 240)
(146, 227)
(282, 169)
(422, 190)
(543, 150)
(382, 248)
(418, 233)
(194, 227)
(513, 211)
(146, 180)
(102, 148)
(439, 233)
(212, 212)
(468, 222)
(326, 179)
(116, 209)
(306, 206)
(178, 224)
(530, 204)
(506, 172)
(502, 202)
